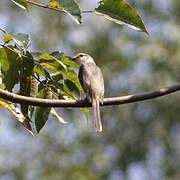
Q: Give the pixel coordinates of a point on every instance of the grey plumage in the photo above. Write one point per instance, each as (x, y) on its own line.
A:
(91, 79)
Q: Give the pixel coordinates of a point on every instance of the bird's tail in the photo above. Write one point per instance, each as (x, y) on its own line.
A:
(96, 112)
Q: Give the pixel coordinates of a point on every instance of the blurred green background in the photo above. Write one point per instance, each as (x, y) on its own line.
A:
(140, 141)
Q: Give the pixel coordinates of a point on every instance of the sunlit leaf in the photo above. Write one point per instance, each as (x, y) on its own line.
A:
(56, 115)
(10, 66)
(68, 6)
(54, 4)
(21, 3)
(86, 112)
(17, 113)
(120, 12)
(51, 62)
(64, 59)
(2, 86)
(7, 38)
(22, 41)
(72, 9)
(6, 104)
(69, 62)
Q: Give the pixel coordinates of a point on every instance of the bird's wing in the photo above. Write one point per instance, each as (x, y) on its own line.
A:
(80, 75)
(85, 81)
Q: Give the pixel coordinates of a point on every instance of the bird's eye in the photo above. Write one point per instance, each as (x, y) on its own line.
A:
(80, 55)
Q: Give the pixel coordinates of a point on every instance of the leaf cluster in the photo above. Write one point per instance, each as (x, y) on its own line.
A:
(36, 74)
(118, 11)
(51, 75)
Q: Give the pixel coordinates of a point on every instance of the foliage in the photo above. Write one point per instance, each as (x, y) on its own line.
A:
(118, 11)
(139, 141)
(54, 72)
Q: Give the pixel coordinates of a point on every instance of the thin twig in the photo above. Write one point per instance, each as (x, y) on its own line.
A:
(83, 103)
(53, 8)
(43, 6)
(2, 30)
(87, 11)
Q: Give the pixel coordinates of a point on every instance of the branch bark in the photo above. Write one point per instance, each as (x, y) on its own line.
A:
(83, 103)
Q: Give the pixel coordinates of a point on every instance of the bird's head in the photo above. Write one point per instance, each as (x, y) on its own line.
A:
(82, 58)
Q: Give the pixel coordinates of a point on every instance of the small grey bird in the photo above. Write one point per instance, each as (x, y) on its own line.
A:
(91, 79)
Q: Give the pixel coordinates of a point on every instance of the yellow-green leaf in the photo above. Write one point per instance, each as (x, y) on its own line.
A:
(51, 62)
(86, 112)
(21, 3)
(17, 113)
(10, 66)
(55, 4)
(7, 38)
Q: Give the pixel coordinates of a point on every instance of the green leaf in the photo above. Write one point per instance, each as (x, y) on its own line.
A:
(40, 70)
(22, 41)
(51, 62)
(57, 54)
(41, 117)
(56, 115)
(21, 3)
(71, 75)
(120, 12)
(67, 91)
(68, 6)
(86, 112)
(72, 9)
(71, 88)
(69, 62)
(7, 38)
(10, 66)
(6, 104)
(42, 113)
(17, 113)
(4, 60)
(26, 70)
(64, 59)
(27, 65)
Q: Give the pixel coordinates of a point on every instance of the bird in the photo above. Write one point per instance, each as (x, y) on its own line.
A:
(92, 82)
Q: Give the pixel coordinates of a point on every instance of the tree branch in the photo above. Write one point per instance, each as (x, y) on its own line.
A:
(83, 103)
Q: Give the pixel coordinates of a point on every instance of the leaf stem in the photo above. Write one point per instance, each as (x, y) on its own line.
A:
(2, 30)
(87, 11)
